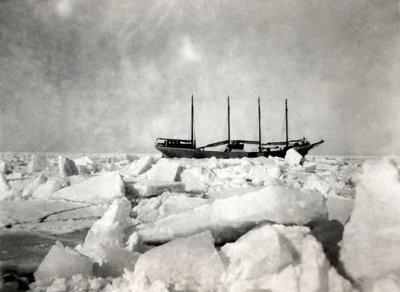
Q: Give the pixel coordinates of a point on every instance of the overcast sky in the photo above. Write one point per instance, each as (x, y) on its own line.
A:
(95, 75)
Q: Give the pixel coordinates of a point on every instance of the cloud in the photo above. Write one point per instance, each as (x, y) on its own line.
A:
(189, 51)
(99, 75)
(63, 7)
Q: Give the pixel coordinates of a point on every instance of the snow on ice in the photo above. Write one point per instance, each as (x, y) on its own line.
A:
(259, 224)
(279, 258)
(339, 208)
(371, 241)
(105, 241)
(108, 233)
(254, 257)
(38, 162)
(164, 170)
(185, 264)
(141, 165)
(98, 189)
(293, 157)
(83, 161)
(151, 188)
(196, 179)
(36, 213)
(167, 204)
(62, 262)
(228, 217)
(29, 189)
(44, 191)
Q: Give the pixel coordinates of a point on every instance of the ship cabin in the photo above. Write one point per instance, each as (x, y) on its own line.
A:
(234, 146)
(301, 142)
(175, 143)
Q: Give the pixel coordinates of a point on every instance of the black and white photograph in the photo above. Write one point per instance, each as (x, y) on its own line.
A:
(200, 145)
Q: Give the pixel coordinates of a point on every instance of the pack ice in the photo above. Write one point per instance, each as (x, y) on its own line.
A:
(140, 166)
(279, 258)
(163, 170)
(44, 191)
(151, 188)
(371, 241)
(102, 254)
(62, 262)
(209, 224)
(29, 189)
(267, 258)
(226, 217)
(66, 166)
(38, 162)
(105, 241)
(98, 189)
(4, 187)
(190, 263)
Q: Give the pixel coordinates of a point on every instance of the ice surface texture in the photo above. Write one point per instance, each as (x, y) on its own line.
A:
(273, 203)
(371, 240)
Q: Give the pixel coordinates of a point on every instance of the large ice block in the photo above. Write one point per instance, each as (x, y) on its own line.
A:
(103, 188)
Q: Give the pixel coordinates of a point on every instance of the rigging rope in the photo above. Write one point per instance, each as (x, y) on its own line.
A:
(295, 120)
(269, 100)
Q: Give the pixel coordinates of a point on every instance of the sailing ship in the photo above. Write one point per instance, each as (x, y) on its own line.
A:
(181, 148)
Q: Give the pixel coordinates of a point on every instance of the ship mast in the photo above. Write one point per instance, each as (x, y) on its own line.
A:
(229, 123)
(192, 127)
(286, 122)
(259, 126)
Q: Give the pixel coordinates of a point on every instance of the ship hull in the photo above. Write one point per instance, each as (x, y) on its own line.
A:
(170, 152)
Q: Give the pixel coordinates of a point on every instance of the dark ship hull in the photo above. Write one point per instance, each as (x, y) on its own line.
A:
(171, 152)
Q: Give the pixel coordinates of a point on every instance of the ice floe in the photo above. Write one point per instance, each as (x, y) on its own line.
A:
(4, 186)
(3, 167)
(29, 189)
(151, 188)
(141, 165)
(251, 224)
(229, 217)
(279, 258)
(196, 179)
(62, 262)
(103, 188)
(370, 249)
(83, 161)
(186, 264)
(38, 162)
(107, 235)
(66, 166)
(293, 157)
(152, 209)
(44, 191)
(164, 170)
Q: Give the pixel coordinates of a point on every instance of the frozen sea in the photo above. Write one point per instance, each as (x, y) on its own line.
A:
(45, 201)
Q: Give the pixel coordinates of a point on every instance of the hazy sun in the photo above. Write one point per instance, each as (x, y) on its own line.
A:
(63, 8)
(188, 50)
